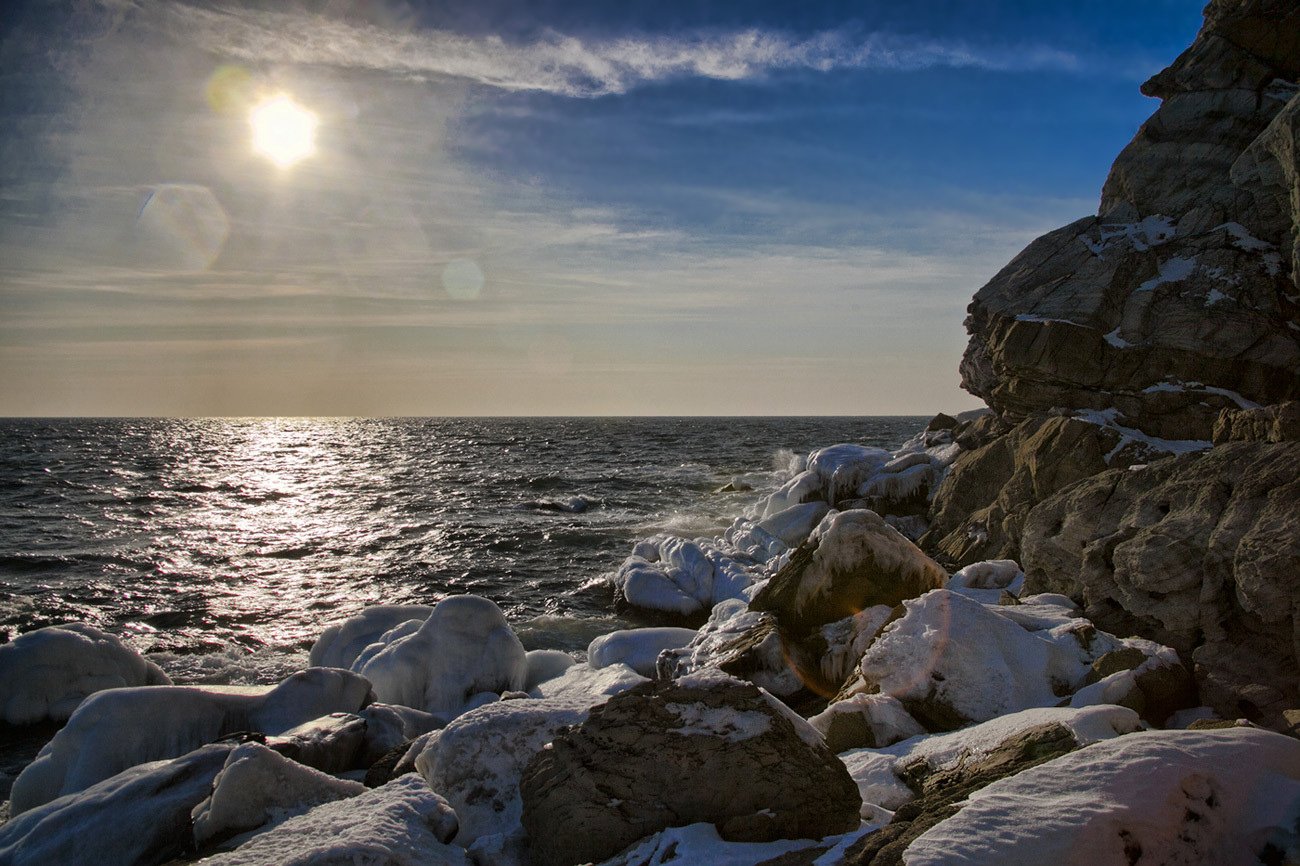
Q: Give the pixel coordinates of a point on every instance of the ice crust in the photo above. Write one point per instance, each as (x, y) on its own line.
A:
(638, 648)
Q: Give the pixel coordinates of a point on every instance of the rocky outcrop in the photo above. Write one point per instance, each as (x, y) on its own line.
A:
(979, 511)
(1178, 299)
(1200, 552)
(706, 748)
(1278, 423)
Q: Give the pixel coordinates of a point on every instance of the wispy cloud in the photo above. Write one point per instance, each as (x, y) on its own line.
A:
(571, 66)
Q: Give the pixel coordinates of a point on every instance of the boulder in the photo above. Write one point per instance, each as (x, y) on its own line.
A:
(257, 787)
(1198, 552)
(331, 744)
(401, 822)
(638, 648)
(676, 576)
(744, 643)
(117, 729)
(865, 721)
(45, 674)
(140, 815)
(853, 561)
(465, 647)
(707, 748)
(341, 643)
(476, 761)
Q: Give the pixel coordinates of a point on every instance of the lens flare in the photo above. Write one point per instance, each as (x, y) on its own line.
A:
(283, 131)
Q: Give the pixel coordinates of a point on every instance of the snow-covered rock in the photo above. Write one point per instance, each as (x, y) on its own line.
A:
(117, 729)
(793, 525)
(476, 761)
(582, 685)
(388, 726)
(141, 815)
(638, 648)
(877, 771)
(257, 787)
(952, 660)
(47, 673)
(744, 643)
(986, 581)
(871, 721)
(697, 844)
(464, 647)
(341, 643)
(1229, 796)
(402, 822)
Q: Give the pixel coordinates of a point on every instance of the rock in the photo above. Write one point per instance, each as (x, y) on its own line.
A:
(979, 510)
(464, 648)
(45, 674)
(476, 761)
(707, 748)
(941, 422)
(638, 648)
(680, 577)
(1225, 796)
(341, 643)
(331, 744)
(385, 770)
(793, 525)
(941, 794)
(140, 816)
(746, 644)
(585, 686)
(890, 777)
(402, 822)
(256, 787)
(545, 665)
(117, 729)
(1277, 423)
(1177, 301)
(853, 561)
(865, 721)
(388, 727)
(989, 581)
(1197, 552)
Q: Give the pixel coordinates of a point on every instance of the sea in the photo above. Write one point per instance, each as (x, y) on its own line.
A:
(221, 547)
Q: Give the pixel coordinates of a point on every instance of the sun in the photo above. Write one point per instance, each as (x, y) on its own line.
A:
(283, 131)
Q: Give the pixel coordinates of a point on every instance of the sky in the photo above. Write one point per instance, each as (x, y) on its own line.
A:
(544, 208)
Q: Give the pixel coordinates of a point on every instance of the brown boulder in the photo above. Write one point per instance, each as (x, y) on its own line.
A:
(854, 560)
(705, 748)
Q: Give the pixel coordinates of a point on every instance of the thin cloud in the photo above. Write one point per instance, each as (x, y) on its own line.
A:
(570, 66)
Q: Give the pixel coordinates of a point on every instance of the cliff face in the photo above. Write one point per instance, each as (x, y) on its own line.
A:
(1179, 299)
(1114, 349)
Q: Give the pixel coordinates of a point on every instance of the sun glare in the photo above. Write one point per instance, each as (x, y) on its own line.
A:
(283, 131)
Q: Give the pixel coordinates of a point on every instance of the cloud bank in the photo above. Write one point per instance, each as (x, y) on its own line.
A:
(570, 66)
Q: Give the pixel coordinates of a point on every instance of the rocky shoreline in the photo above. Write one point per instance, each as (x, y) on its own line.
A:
(1066, 627)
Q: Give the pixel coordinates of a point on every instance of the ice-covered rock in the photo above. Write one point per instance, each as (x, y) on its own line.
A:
(853, 561)
(986, 581)
(389, 726)
(47, 673)
(464, 647)
(401, 822)
(638, 648)
(121, 728)
(834, 474)
(545, 665)
(794, 524)
(257, 787)
(476, 761)
(1228, 796)
(331, 744)
(341, 643)
(698, 844)
(141, 815)
(706, 748)
(671, 574)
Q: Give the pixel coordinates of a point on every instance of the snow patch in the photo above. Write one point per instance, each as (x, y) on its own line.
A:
(1172, 270)
(1116, 340)
(734, 726)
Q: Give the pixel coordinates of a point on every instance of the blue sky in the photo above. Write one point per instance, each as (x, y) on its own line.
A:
(705, 208)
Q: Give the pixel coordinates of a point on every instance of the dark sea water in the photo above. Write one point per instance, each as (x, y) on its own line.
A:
(222, 547)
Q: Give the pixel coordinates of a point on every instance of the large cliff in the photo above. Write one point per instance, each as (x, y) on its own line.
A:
(1112, 352)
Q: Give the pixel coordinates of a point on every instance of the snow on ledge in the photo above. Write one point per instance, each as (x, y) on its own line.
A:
(1106, 418)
